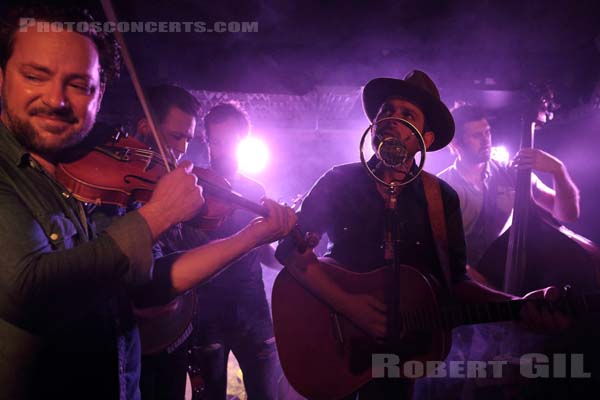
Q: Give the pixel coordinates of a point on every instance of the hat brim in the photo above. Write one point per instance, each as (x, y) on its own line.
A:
(438, 117)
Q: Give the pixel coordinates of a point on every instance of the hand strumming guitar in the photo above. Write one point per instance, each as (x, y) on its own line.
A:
(368, 313)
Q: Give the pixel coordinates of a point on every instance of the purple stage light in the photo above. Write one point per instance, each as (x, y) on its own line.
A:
(500, 154)
(252, 155)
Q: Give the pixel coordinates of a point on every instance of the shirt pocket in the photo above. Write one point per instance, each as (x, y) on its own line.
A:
(59, 229)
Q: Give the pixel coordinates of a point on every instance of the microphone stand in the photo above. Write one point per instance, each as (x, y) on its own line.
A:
(392, 257)
(391, 254)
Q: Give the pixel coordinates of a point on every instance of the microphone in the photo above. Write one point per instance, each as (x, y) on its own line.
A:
(392, 152)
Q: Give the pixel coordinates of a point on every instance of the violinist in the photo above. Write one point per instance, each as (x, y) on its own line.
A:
(486, 187)
(235, 314)
(65, 313)
(177, 110)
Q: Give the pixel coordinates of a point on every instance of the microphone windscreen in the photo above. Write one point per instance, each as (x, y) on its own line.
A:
(392, 152)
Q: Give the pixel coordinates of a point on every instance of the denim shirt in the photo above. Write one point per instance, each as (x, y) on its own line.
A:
(65, 320)
(346, 205)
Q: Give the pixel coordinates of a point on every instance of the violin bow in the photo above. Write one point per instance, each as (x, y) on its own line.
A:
(158, 138)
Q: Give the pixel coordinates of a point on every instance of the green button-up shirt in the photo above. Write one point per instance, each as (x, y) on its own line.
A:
(65, 318)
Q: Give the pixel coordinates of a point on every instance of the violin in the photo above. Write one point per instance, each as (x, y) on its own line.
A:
(125, 170)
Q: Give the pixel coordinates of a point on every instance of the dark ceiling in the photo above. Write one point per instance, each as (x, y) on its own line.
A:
(303, 44)
(464, 45)
(470, 48)
(300, 44)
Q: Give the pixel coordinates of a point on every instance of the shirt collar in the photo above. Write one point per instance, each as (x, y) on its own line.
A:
(486, 171)
(374, 161)
(11, 147)
(415, 187)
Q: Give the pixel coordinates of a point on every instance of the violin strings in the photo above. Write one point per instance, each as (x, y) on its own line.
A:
(156, 159)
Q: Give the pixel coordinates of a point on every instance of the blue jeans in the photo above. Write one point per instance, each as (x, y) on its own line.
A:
(163, 374)
(237, 321)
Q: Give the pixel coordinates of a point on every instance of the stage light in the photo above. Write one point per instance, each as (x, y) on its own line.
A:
(500, 154)
(252, 155)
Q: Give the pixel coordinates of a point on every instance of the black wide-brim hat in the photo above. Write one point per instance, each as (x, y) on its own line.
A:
(416, 87)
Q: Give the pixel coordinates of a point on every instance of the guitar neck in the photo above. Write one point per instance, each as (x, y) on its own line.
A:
(479, 313)
(475, 313)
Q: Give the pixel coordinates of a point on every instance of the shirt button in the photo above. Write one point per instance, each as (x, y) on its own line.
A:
(54, 236)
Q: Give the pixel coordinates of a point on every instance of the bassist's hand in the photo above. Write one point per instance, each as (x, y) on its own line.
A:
(538, 160)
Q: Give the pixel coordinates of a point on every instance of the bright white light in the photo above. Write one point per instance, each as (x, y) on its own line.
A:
(500, 154)
(252, 155)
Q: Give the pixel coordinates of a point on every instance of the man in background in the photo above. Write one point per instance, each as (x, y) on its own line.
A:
(232, 309)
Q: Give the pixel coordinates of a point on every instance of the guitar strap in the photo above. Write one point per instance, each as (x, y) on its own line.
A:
(435, 209)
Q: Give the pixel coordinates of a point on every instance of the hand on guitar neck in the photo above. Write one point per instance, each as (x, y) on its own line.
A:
(537, 316)
(544, 319)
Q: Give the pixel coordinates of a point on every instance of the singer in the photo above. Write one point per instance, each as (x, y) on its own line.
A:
(348, 205)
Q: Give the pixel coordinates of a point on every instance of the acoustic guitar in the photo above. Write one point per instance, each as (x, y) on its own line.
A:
(326, 357)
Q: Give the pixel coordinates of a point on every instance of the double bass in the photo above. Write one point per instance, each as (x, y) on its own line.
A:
(537, 251)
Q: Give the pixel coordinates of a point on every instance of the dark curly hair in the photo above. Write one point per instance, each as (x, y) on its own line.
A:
(108, 49)
(464, 114)
(163, 97)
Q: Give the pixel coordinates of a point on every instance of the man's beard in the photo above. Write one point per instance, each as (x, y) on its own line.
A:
(484, 155)
(475, 157)
(32, 140)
